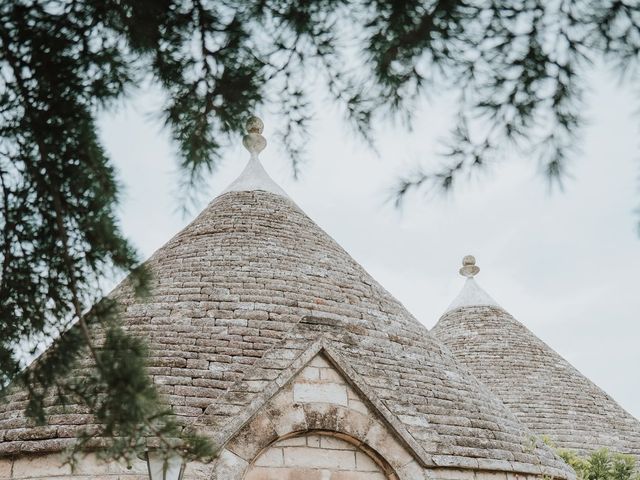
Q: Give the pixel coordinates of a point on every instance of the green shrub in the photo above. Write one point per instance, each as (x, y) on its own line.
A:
(602, 465)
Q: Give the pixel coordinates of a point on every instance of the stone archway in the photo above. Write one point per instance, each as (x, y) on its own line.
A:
(318, 455)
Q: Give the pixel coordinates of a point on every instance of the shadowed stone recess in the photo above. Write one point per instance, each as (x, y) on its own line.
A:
(315, 457)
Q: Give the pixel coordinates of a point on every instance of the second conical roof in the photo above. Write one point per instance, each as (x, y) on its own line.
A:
(543, 390)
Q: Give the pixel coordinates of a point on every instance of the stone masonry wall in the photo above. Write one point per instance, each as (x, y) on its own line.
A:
(50, 467)
(89, 467)
(314, 457)
(53, 466)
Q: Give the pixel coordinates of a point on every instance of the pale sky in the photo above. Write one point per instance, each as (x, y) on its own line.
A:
(564, 264)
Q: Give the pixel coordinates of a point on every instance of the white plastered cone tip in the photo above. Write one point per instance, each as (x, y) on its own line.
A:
(471, 295)
(254, 176)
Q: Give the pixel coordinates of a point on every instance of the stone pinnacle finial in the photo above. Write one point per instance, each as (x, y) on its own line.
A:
(253, 140)
(469, 268)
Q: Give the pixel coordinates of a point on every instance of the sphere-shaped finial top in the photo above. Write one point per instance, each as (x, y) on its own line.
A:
(469, 268)
(253, 140)
(254, 124)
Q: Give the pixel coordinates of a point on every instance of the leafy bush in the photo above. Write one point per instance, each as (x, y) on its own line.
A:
(602, 465)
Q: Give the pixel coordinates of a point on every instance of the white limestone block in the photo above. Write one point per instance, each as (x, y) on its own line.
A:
(320, 393)
(273, 457)
(319, 458)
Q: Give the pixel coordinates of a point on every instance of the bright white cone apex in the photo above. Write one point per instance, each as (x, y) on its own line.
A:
(471, 295)
(254, 176)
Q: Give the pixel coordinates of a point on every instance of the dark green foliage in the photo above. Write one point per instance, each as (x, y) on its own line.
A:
(59, 63)
(602, 465)
(517, 66)
(135, 413)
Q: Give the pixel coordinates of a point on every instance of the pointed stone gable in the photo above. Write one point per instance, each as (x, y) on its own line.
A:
(544, 391)
(242, 293)
(318, 398)
(232, 411)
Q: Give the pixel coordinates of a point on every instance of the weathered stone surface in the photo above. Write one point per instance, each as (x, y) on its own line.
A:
(229, 466)
(239, 296)
(247, 443)
(5, 468)
(37, 466)
(541, 388)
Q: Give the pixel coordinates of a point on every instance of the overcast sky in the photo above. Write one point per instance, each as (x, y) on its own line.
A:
(564, 264)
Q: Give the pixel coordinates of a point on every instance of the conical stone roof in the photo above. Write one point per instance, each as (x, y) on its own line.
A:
(250, 285)
(544, 391)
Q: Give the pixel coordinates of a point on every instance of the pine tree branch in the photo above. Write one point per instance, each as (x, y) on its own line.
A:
(8, 228)
(13, 63)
